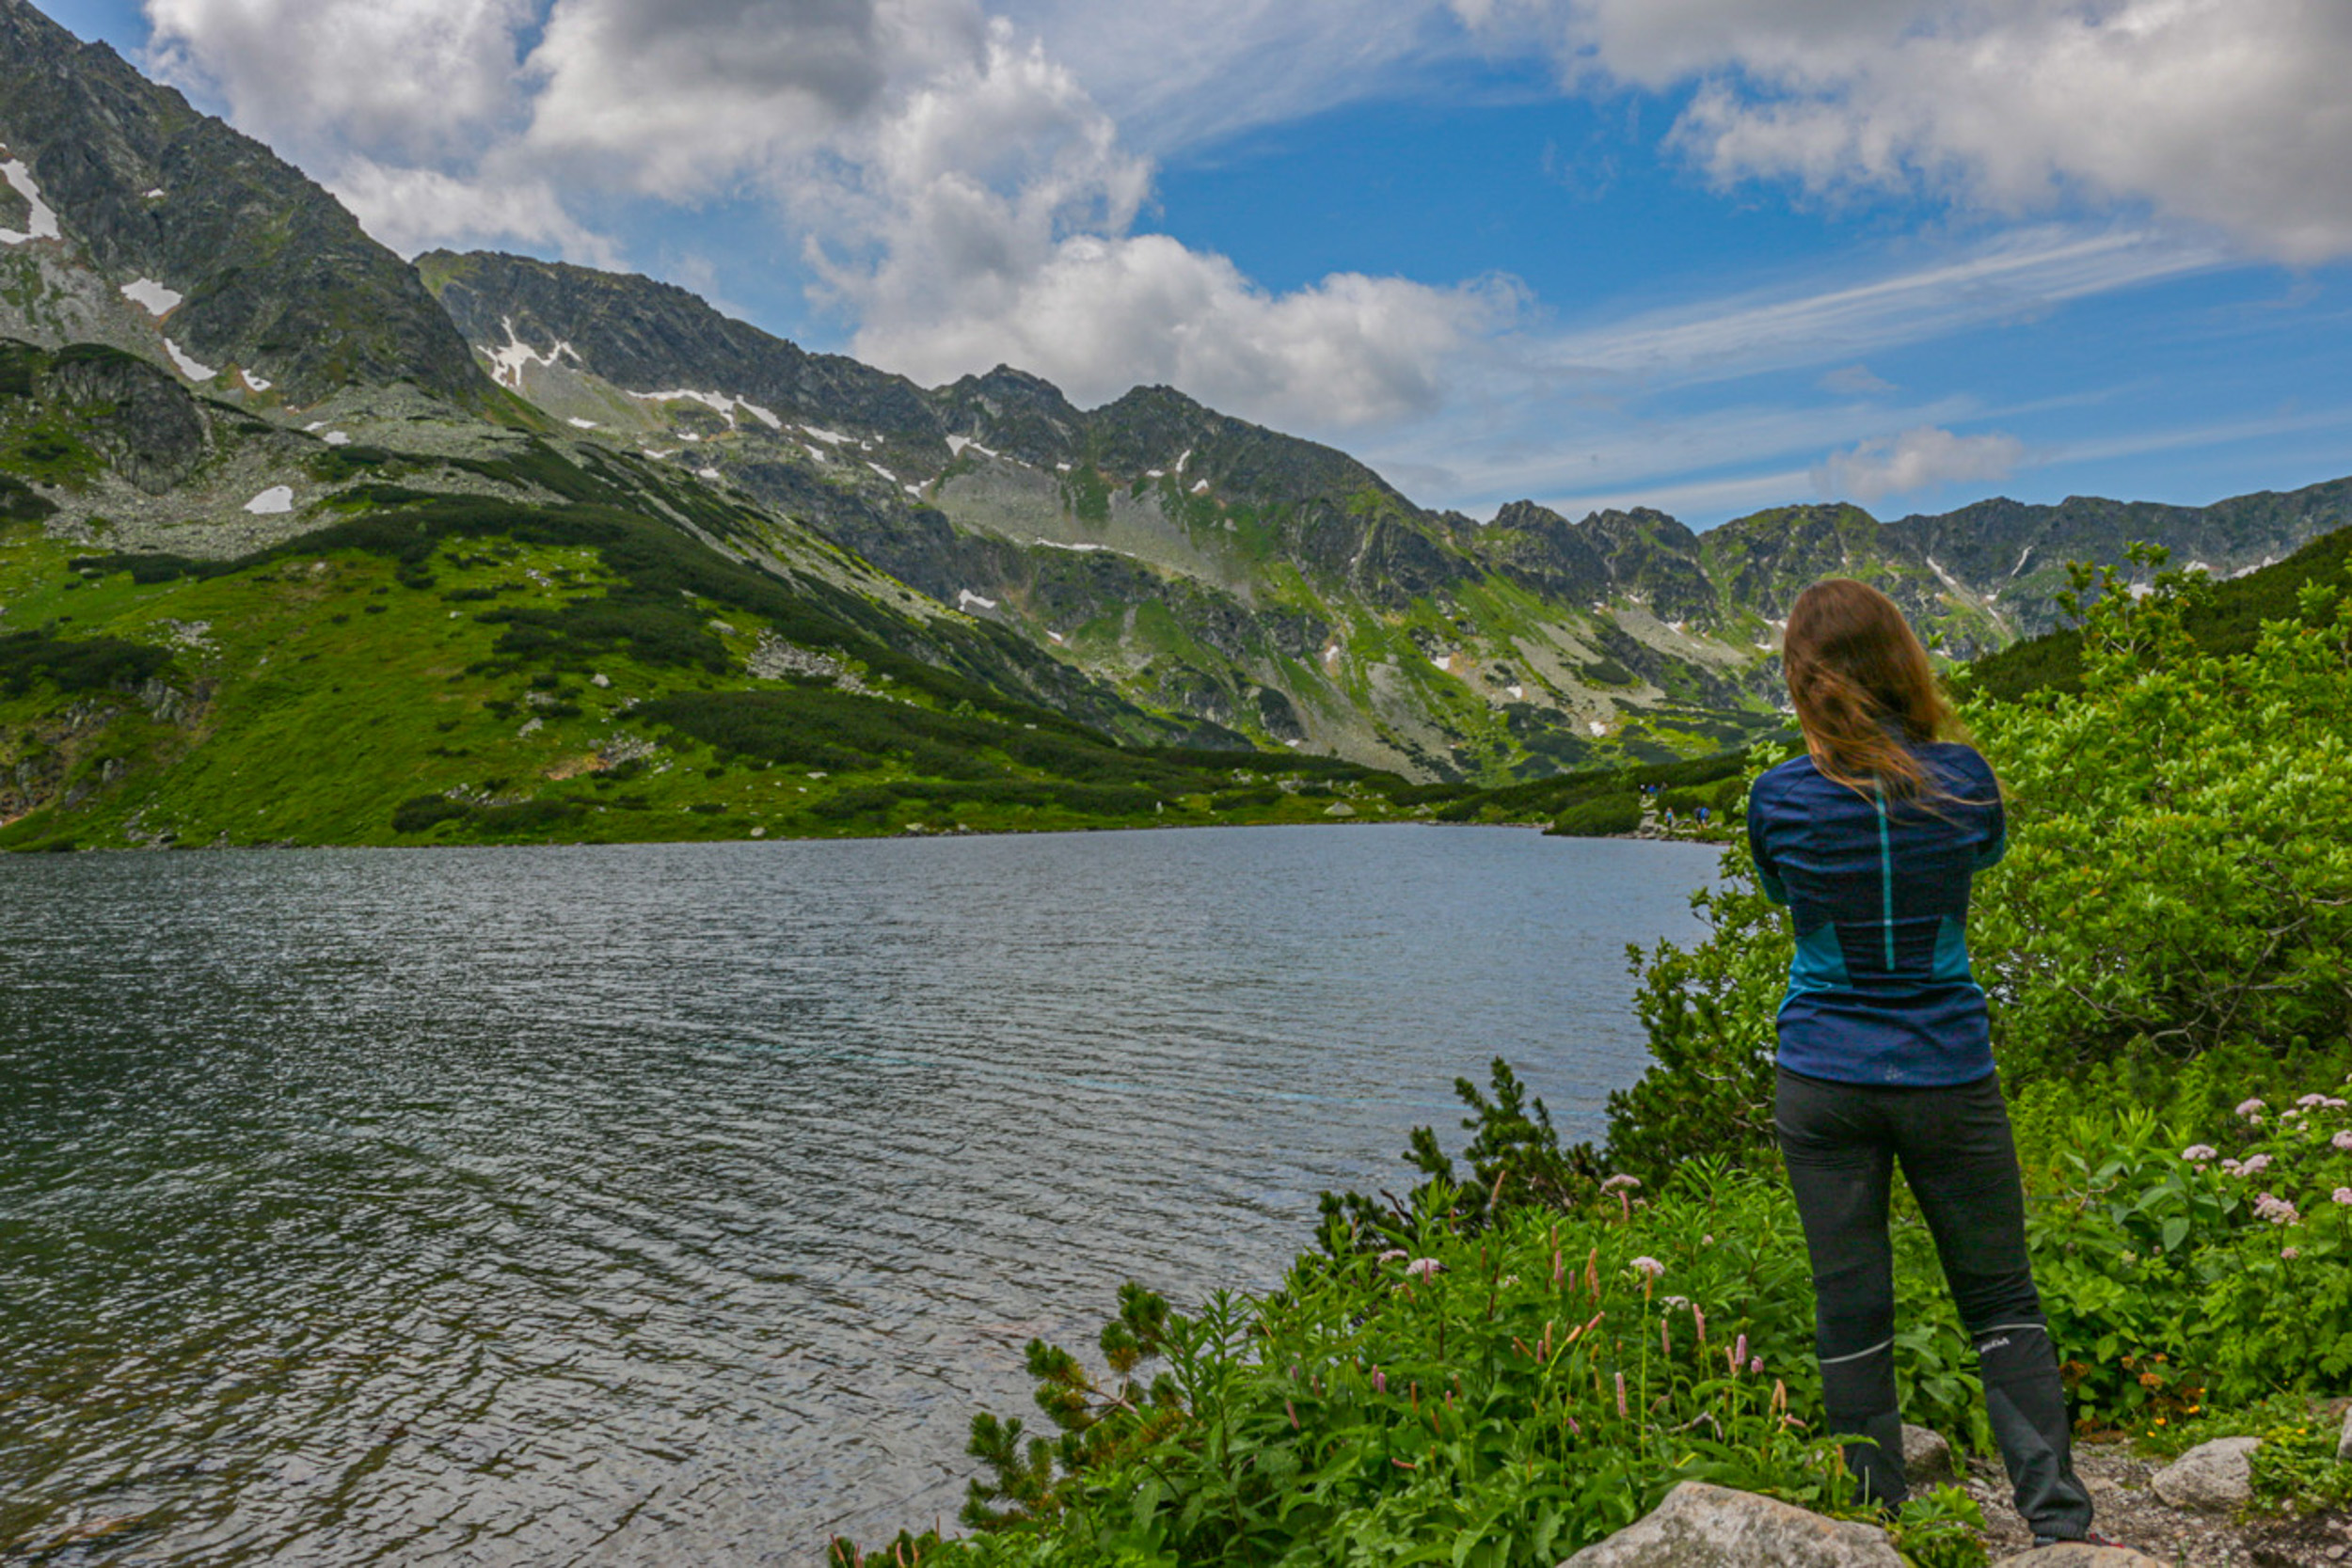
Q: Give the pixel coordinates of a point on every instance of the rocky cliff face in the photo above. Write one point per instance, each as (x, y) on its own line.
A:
(169, 227)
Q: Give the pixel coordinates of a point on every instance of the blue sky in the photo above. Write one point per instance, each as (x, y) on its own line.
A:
(1708, 255)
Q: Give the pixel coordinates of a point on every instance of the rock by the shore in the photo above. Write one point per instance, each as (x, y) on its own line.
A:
(1927, 1457)
(1700, 1526)
(2211, 1478)
(2075, 1554)
(2344, 1439)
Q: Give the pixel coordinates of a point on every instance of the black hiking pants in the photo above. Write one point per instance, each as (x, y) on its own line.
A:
(1841, 1142)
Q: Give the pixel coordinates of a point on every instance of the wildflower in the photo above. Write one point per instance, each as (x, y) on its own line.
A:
(1621, 1395)
(2331, 1102)
(2342, 1194)
(2290, 1254)
(1292, 1411)
(2309, 1100)
(1665, 1340)
(1392, 1255)
(2277, 1211)
(1678, 1301)
(1379, 1381)
(1739, 1352)
(1755, 1365)
(1649, 1266)
(1615, 1181)
(2252, 1110)
(1424, 1268)
(2199, 1153)
(2342, 1140)
(1700, 1318)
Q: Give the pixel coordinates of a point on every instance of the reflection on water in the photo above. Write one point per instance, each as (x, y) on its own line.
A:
(681, 1202)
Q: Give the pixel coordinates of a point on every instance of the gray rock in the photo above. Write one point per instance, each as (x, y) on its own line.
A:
(2074, 1554)
(1927, 1458)
(2212, 1477)
(2343, 1442)
(1700, 1526)
(1340, 809)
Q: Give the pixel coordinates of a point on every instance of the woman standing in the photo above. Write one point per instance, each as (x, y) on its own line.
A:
(1885, 1057)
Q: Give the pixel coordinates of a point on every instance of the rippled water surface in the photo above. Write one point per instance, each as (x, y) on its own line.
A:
(680, 1203)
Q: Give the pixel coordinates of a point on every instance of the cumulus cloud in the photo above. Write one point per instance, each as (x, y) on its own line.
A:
(678, 98)
(992, 222)
(1915, 460)
(409, 78)
(415, 208)
(2222, 112)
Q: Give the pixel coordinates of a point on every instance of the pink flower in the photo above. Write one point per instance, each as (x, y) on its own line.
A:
(2199, 1153)
(1379, 1381)
(1621, 1394)
(1392, 1255)
(2277, 1211)
(2290, 1254)
(2342, 1194)
(2342, 1140)
(1615, 1181)
(1756, 1364)
(1424, 1268)
(2309, 1100)
(2252, 1110)
(1649, 1266)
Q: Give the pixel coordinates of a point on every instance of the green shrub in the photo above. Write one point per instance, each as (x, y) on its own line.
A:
(1603, 817)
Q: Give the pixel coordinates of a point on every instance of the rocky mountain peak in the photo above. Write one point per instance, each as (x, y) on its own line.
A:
(185, 242)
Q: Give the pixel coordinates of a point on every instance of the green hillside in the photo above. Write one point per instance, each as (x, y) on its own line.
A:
(2227, 618)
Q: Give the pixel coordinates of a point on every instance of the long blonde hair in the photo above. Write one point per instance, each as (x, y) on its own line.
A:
(1865, 691)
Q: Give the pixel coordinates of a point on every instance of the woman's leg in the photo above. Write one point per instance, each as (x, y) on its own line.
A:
(1839, 1163)
(1961, 1161)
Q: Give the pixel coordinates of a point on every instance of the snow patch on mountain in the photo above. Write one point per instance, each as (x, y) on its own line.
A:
(718, 403)
(194, 370)
(41, 223)
(277, 499)
(152, 297)
(507, 364)
(579, 423)
(965, 599)
(255, 383)
(957, 443)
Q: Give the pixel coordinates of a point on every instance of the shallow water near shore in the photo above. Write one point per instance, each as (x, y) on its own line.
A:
(680, 1203)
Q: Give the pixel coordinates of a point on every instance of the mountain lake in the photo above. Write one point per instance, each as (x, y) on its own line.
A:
(681, 1203)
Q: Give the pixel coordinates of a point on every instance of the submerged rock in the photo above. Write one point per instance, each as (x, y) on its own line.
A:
(1700, 1526)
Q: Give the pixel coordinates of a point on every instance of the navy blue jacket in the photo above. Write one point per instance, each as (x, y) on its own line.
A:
(1880, 991)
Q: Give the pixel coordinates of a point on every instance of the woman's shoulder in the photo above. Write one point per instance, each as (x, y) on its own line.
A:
(1957, 757)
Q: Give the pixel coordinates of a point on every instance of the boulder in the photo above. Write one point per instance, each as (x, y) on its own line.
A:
(2344, 1439)
(1927, 1458)
(1700, 1526)
(2211, 1478)
(2076, 1554)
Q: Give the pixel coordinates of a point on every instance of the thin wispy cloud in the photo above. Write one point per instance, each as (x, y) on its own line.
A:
(2015, 275)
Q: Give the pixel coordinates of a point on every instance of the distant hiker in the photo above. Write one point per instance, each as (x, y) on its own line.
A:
(1885, 1054)
(1702, 816)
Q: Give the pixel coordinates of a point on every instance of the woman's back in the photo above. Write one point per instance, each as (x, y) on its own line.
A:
(1881, 990)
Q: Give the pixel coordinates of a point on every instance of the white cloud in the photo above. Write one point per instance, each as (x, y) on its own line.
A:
(1915, 460)
(415, 208)
(2224, 112)
(412, 78)
(679, 98)
(2021, 274)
